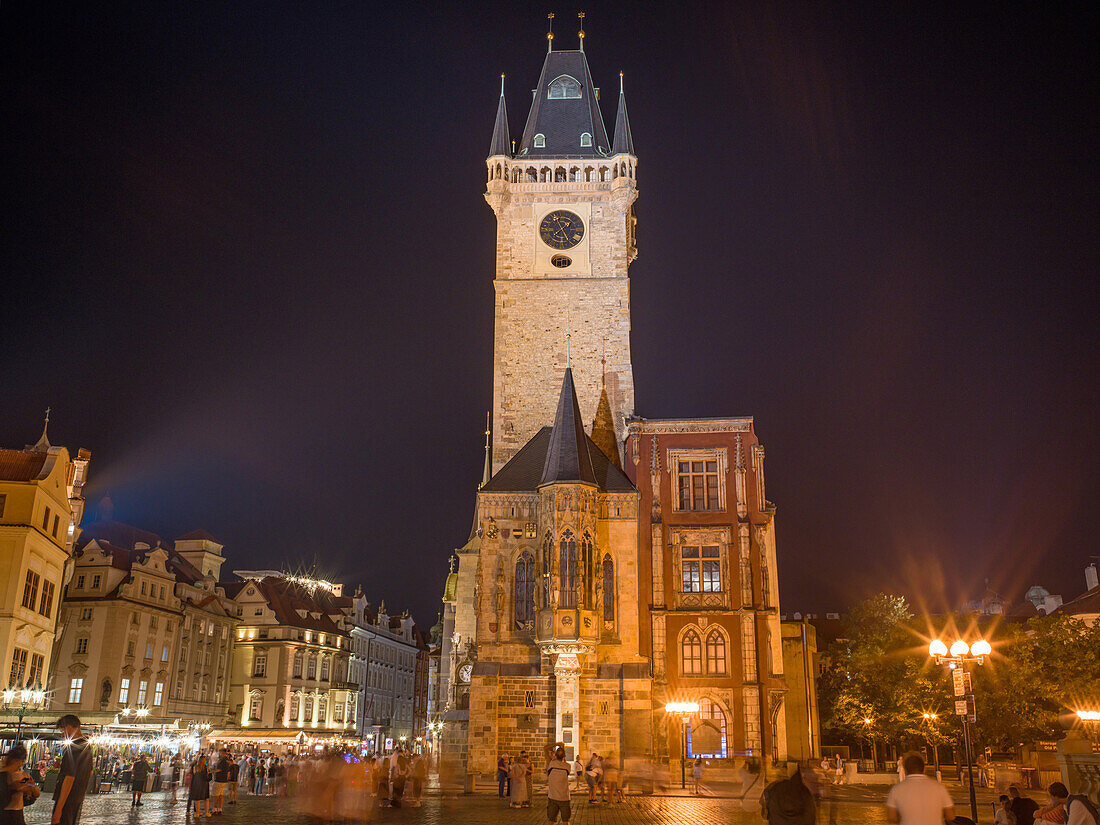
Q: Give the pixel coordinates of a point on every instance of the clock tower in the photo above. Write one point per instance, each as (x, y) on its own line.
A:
(563, 199)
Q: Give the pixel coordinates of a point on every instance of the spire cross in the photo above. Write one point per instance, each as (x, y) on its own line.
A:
(47, 415)
(550, 33)
(580, 14)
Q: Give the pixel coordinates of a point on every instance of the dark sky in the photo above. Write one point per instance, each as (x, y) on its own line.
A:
(249, 266)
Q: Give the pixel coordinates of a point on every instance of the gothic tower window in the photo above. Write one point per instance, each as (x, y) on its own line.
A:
(567, 570)
(716, 653)
(564, 87)
(711, 715)
(608, 573)
(547, 568)
(588, 569)
(525, 592)
(691, 654)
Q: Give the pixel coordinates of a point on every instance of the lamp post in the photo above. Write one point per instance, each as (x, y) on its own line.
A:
(868, 722)
(930, 720)
(29, 699)
(956, 659)
(682, 711)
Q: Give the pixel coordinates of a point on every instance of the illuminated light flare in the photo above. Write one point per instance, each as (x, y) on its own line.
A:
(937, 648)
(959, 648)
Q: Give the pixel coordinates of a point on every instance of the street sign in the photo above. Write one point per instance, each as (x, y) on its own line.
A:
(966, 682)
(962, 707)
(957, 677)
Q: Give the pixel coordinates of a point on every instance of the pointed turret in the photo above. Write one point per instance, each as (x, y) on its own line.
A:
(567, 457)
(603, 430)
(501, 137)
(565, 119)
(487, 470)
(43, 444)
(623, 144)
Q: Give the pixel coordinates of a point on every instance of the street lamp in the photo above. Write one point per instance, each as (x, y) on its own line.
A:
(29, 699)
(930, 720)
(868, 721)
(956, 659)
(682, 711)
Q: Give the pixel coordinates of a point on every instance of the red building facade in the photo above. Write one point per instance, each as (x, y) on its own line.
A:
(707, 570)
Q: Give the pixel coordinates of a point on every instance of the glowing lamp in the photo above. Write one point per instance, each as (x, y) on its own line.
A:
(959, 648)
(9, 695)
(981, 648)
(937, 648)
(1089, 715)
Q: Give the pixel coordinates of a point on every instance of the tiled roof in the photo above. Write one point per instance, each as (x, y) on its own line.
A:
(198, 535)
(1088, 602)
(21, 465)
(561, 121)
(121, 538)
(524, 472)
(119, 534)
(286, 599)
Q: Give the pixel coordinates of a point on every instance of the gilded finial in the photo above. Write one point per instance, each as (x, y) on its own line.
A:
(620, 83)
(580, 14)
(550, 32)
(502, 83)
(568, 352)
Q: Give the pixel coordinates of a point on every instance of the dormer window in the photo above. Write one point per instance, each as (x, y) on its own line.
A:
(540, 141)
(586, 139)
(564, 88)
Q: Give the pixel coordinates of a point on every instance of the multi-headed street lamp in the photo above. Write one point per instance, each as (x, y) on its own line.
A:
(682, 711)
(28, 699)
(956, 658)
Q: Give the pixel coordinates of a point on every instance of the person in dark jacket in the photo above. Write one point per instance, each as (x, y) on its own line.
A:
(138, 774)
(788, 802)
(1023, 807)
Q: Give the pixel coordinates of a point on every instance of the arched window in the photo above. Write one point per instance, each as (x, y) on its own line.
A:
(547, 567)
(322, 710)
(564, 87)
(691, 654)
(559, 175)
(586, 139)
(540, 141)
(716, 652)
(713, 720)
(525, 592)
(567, 570)
(608, 573)
(588, 569)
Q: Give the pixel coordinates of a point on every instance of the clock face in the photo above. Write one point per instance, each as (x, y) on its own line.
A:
(561, 229)
(465, 672)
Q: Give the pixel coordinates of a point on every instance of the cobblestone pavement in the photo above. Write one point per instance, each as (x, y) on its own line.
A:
(114, 809)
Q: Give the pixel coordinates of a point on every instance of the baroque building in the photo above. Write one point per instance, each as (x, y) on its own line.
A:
(41, 507)
(144, 625)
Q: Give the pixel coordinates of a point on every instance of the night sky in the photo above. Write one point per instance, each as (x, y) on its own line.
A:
(249, 265)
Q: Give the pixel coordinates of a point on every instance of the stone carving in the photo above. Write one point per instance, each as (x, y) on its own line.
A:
(105, 695)
(499, 603)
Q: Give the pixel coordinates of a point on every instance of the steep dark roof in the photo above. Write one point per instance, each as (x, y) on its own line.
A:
(1088, 602)
(198, 535)
(524, 472)
(562, 120)
(502, 142)
(21, 465)
(120, 534)
(623, 144)
(567, 457)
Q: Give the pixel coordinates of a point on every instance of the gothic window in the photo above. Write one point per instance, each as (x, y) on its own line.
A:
(589, 561)
(716, 653)
(697, 482)
(525, 592)
(547, 567)
(559, 174)
(540, 141)
(691, 654)
(586, 139)
(564, 87)
(567, 570)
(701, 569)
(710, 715)
(608, 589)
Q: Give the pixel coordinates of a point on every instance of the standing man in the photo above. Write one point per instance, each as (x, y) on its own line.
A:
(138, 774)
(839, 778)
(76, 770)
(918, 799)
(557, 784)
(234, 780)
(221, 779)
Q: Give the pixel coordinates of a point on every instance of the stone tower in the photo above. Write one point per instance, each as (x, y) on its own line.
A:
(563, 199)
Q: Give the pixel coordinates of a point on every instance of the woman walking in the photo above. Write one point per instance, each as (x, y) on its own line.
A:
(200, 786)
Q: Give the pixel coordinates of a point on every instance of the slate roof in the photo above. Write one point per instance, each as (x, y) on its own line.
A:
(561, 121)
(567, 457)
(21, 465)
(286, 598)
(1088, 602)
(501, 143)
(623, 144)
(524, 472)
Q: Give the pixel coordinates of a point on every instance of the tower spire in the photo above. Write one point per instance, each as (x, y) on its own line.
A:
(622, 143)
(580, 34)
(501, 140)
(550, 33)
(44, 443)
(486, 472)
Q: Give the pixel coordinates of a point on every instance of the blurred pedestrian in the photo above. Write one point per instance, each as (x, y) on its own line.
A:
(557, 784)
(16, 785)
(74, 772)
(200, 785)
(138, 774)
(788, 802)
(918, 799)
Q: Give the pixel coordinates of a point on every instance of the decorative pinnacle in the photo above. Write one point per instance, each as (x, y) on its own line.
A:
(580, 14)
(550, 33)
(43, 442)
(568, 352)
(620, 83)
(502, 83)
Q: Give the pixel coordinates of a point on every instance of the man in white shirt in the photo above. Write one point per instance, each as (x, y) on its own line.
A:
(557, 784)
(918, 799)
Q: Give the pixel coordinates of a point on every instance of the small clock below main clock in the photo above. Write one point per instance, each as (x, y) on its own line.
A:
(561, 229)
